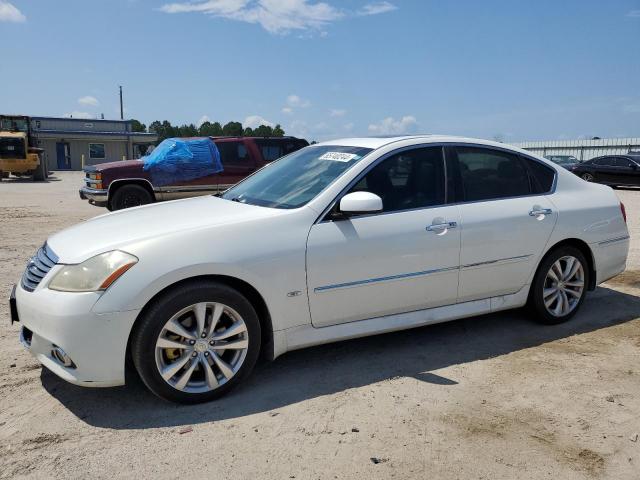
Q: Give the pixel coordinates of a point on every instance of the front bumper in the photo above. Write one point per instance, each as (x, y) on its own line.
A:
(95, 342)
(95, 196)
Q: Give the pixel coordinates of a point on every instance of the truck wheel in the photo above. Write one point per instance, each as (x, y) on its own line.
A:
(129, 196)
(5, 174)
(39, 174)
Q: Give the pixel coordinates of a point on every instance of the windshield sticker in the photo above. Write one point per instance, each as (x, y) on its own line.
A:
(339, 156)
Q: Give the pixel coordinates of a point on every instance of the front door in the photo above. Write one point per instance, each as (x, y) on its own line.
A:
(63, 155)
(506, 221)
(402, 259)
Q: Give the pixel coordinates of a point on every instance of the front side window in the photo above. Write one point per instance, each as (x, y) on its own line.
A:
(233, 153)
(294, 180)
(96, 151)
(491, 174)
(406, 180)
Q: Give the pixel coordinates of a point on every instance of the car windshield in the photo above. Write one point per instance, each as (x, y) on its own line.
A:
(296, 179)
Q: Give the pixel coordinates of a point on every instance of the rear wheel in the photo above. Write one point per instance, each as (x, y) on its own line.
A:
(129, 196)
(559, 286)
(587, 177)
(196, 342)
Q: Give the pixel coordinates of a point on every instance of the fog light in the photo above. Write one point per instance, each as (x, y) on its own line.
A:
(61, 356)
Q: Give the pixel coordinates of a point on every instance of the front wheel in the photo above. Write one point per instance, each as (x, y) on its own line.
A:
(129, 196)
(559, 286)
(587, 177)
(196, 342)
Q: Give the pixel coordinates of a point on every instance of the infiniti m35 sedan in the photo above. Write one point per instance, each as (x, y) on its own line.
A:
(338, 240)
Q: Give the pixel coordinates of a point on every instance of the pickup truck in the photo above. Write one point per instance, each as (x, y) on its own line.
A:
(125, 184)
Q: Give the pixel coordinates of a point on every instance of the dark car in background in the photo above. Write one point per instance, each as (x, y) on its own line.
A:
(565, 161)
(613, 170)
(125, 184)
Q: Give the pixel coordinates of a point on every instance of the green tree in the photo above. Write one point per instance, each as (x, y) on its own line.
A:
(248, 132)
(232, 129)
(263, 131)
(208, 129)
(136, 126)
(278, 131)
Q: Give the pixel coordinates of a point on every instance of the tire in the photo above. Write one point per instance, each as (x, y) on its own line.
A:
(4, 175)
(177, 305)
(40, 173)
(541, 302)
(587, 177)
(129, 196)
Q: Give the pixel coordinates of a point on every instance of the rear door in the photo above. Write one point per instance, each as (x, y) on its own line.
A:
(506, 219)
(237, 161)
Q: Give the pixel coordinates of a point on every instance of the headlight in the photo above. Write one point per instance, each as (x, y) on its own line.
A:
(94, 274)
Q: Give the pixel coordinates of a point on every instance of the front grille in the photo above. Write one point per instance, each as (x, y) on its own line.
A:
(38, 267)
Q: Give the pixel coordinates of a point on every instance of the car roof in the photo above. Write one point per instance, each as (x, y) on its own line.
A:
(381, 141)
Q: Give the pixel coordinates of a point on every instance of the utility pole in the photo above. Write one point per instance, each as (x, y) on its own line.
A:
(121, 108)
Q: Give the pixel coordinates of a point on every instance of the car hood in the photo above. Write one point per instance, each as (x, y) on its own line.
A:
(134, 225)
(100, 167)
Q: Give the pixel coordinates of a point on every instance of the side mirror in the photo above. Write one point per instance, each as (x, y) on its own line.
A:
(360, 202)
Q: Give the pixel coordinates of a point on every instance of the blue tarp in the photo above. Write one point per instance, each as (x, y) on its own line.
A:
(178, 160)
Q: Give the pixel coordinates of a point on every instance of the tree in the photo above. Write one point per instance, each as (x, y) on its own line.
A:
(278, 131)
(263, 131)
(136, 126)
(208, 129)
(232, 129)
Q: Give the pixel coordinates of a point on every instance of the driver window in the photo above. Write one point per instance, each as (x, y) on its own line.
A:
(406, 180)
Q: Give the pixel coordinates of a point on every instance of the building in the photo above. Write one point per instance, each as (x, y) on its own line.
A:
(70, 143)
(583, 149)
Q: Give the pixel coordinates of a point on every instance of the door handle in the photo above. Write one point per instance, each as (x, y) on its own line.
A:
(536, 212)
(440, 227)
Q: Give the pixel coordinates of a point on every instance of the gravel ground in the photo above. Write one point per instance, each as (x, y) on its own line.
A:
(493, 397)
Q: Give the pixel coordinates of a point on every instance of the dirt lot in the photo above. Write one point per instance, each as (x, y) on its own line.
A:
(492, 397)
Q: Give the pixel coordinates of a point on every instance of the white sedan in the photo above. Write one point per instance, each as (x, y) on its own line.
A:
(338, 240)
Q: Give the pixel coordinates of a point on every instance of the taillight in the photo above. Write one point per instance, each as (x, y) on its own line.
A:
(624, 212)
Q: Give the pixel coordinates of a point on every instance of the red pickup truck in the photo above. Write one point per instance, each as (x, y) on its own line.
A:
(124, 184)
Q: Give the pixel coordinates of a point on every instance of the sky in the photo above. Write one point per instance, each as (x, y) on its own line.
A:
(512, 70)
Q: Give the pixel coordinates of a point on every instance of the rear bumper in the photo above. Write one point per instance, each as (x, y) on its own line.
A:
(96, 343)
(95, 196)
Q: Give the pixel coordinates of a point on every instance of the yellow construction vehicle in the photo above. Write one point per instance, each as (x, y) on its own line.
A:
(19, 154)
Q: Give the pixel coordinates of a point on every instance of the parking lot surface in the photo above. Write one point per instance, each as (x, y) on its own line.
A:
(493, 397)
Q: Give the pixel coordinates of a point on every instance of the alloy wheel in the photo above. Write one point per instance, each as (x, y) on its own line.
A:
(201, 347)
(587, 177)
(563, 286)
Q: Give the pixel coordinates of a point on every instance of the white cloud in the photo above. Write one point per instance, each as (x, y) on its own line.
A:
(89, 100)
(376, 8)
(254, 121)
(391, 126)
(297, 102)
(634, 14)
(275, 16)
(203, 118)
(77, 114)
(337, 112)
(287, 110)
(348, 126)
(9, 13)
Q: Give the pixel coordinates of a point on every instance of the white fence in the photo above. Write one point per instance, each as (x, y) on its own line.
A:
(583, 149)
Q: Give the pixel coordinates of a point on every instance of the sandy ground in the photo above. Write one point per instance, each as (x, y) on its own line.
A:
(491, 397)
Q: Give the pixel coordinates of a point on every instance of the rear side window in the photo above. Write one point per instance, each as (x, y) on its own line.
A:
(233, 153)
(605, 162)
(491, 174)
(272, 149)
(543, 176)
